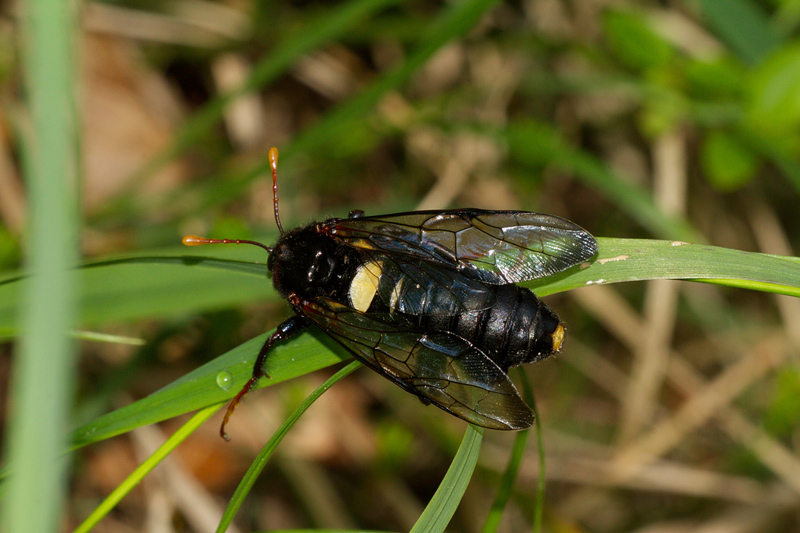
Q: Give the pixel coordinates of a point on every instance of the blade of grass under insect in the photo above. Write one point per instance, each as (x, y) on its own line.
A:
(42, 382)
(146, 467)
(642, 259)
(157, 286)
(169, 286)
(261, 461)
(506, 483)
(530, 399)
(443, 504)
(216, 381)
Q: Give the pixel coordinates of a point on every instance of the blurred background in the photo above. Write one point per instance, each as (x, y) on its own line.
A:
(674, 405)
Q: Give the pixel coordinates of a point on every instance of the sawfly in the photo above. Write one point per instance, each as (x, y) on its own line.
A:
(427, 299)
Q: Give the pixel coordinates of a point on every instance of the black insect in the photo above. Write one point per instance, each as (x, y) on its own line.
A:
(428, 299)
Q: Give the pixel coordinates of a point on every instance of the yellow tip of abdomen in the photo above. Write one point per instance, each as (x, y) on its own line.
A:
(558, 338)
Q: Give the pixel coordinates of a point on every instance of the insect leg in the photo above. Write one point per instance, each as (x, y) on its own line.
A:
(288, 328)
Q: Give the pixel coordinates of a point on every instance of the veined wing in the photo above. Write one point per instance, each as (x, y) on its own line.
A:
(496, 247)
(440, 368)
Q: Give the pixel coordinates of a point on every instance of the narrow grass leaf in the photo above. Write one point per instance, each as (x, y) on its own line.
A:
(151, 287)
(41, 389)
(541, 484)
(643, 259)
(203, 387)
(506, 487)
(160, 286)
(260, 462)
(443, 504)
(146, 467)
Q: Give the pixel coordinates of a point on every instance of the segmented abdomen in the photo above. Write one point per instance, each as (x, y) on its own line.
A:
(519, 328)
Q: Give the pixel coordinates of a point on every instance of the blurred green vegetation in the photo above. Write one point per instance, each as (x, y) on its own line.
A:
(672, 402)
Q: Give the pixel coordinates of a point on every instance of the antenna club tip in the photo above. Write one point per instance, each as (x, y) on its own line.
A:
(273, 157)
(194, 240)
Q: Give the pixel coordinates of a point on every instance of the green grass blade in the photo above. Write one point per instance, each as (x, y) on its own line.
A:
(443, 504)
(151, 286)
(541, 483)
(260, 462)
(506, 487)
(214, 382)
(164, 287)
(41, 390)
(146, 467)
(159, 286)
(643, 259)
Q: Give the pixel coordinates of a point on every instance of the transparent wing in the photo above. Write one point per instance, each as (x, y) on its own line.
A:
(441, 368)
(496, 247)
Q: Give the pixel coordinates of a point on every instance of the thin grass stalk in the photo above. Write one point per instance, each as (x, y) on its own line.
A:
(260, 462)
(541, 483)
(43, 364)
(506, 487)
(445, 501)
(146, 467)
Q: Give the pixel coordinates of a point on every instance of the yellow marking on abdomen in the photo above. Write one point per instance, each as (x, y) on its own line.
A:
(395, 296)
(558, 338)
(364, 285)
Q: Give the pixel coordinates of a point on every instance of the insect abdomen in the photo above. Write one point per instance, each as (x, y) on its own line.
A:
(511, 327)
(519, 328)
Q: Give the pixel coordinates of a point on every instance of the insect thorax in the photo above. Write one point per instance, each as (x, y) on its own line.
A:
(311, 265)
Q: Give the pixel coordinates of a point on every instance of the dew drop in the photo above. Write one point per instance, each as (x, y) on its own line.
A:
(224, 380)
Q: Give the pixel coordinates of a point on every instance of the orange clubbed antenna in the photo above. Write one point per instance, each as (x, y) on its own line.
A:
(273, 162)
(194, 240)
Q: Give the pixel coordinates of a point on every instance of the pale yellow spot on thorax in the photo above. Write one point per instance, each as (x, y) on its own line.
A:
(364, 285)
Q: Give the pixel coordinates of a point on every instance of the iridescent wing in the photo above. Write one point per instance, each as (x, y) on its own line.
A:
(440, 368)
(497, 247)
